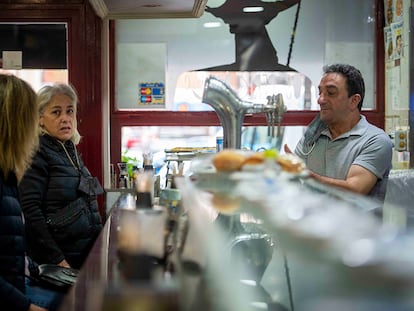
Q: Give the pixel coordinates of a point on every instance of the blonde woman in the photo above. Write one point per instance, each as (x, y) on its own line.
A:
(18, 141)
(58, 193)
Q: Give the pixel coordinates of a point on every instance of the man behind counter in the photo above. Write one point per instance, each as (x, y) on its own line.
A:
(340, 147)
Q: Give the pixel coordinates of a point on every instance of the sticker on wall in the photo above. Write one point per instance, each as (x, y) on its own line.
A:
(152, 94)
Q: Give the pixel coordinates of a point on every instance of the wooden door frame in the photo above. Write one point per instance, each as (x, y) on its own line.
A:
(84, 65)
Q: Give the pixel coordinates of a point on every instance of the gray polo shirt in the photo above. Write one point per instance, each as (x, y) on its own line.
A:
(365, 145)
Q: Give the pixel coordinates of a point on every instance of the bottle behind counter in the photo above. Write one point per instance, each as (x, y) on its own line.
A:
(144, 186)
(134, 176)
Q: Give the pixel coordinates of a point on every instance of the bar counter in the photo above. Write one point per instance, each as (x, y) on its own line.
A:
(290, 245)
(99, 270)
(191, 285)
(112, 279)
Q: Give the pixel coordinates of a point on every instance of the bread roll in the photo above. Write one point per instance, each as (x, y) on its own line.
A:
(291, 163)
(224, 203)
(228, 160)
(255, 159)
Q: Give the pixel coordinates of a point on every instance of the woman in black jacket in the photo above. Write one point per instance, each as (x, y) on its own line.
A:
(58, 194)
(18, 140)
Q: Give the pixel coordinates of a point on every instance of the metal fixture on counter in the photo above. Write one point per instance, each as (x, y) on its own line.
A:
(231, 110)
(123, 181)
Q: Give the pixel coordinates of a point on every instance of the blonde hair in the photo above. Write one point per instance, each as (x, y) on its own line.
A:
(19, 119)
(46, 94)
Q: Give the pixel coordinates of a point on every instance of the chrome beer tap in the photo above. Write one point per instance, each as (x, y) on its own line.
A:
(274, 111)
(231, 110)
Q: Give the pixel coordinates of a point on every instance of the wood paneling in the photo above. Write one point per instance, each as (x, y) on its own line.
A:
(84, 63)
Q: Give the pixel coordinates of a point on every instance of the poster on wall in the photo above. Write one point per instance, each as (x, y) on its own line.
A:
(398, 11)
(393, 11)
(394, 53)
(389, 46)
(393, 32)
(397, 31)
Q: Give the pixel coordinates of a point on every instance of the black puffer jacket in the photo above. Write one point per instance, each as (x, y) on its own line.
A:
(12, 248)
(62, 222)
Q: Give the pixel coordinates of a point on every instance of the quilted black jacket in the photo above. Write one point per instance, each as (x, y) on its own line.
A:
(49, 187)
(12, 248)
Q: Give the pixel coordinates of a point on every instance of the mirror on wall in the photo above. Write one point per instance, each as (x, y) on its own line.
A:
(295, 40)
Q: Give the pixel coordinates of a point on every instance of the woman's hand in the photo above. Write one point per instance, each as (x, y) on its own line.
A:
(64, 263)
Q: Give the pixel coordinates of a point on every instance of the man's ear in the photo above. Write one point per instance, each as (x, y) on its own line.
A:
(355, 100)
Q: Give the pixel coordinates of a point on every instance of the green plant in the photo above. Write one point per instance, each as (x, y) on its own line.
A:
(130, 161)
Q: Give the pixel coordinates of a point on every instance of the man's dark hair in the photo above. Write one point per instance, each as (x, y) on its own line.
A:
(354, 80)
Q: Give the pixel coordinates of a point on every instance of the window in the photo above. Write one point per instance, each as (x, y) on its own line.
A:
(188, 52)
(39, 77)
(44, 51)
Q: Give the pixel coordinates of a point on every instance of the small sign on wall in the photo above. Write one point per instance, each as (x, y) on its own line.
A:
(142, 66)
(12, 59)
(151, 94)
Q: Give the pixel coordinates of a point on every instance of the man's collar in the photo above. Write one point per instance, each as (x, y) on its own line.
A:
(358, 130)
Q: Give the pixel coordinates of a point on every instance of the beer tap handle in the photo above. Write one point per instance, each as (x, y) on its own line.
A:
(278, 130)
(274, 110)
(281, 109)
(268, 114)
(279, 122)
(268, 121)
(275, 114)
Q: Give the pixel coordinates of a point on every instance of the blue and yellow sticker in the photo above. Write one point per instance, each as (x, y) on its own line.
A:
(152, 94)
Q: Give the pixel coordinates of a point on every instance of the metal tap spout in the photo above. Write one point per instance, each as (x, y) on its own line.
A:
(231, 110)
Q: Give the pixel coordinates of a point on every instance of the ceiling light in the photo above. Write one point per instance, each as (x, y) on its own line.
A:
(211, 25)
(253, 9)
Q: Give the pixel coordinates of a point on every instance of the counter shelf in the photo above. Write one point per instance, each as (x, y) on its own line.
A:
(114, 279)
(290, 245)
(327, 244)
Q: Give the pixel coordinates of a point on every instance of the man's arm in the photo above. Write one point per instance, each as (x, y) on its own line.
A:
(359, 180)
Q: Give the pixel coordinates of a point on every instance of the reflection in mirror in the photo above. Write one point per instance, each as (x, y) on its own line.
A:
(247, 20)
(194, 45)
(137, 140)
(253, 86)
(256, 72)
